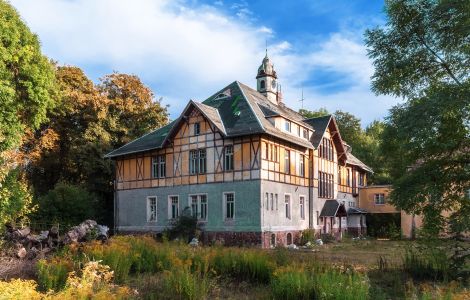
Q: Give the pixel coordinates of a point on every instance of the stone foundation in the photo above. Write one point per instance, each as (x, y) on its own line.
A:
(281, 238)
(231, 238)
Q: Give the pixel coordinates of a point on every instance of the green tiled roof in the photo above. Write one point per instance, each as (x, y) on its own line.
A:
(235, 110)
(150, 141)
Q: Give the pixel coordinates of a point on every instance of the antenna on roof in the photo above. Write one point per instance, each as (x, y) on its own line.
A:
(302, 100)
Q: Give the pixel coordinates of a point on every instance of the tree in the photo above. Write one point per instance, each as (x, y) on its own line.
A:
(90, 121)
(422, 54)
(27, 91)
(314, 113)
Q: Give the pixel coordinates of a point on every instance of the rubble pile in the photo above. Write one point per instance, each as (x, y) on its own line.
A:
(29, 245)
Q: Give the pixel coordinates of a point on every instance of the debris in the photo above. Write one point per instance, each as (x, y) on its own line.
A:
(292, 247)
(21, 252)
(194, 242)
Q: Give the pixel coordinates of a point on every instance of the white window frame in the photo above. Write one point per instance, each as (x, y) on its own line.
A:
(377, 197)
(224, 198)
(302, 206)
(228, 158)
(150, 218)
(287, 125)
(302, 165)
(198, 206)
(288, 208)
(170, 207)
(271, 198)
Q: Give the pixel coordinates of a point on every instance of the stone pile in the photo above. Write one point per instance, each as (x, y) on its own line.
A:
(29, 245)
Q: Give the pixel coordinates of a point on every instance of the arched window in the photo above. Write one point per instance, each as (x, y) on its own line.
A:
(262, 84)
(289, 238)
(273, 240)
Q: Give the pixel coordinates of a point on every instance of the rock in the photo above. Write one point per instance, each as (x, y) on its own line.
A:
(292, 247)
(194, 242)
(319, 242)
(21, 233)
(21, 253)
(102, 232)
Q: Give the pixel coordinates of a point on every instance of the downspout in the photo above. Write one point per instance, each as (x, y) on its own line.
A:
(310, 189)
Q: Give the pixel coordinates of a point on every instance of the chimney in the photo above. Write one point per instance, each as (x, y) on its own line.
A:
(279, 95)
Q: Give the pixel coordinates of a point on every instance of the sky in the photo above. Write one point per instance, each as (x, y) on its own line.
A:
(191, 49)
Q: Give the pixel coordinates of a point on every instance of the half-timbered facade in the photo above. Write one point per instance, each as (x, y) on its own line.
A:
(249, 168)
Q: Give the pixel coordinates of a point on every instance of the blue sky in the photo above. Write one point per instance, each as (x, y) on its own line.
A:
(190, 49)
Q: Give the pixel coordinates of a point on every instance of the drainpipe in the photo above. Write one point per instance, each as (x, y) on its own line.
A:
(310, 190)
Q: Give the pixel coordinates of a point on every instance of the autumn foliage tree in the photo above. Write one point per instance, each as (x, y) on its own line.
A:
(90, 121)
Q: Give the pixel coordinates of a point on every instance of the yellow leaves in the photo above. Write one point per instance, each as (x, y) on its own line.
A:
(17, 289)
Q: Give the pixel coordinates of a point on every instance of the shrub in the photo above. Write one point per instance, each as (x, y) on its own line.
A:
(292, 283)
(52, 274)
(328, 238)
(185, 227)
(19, 289)
(116, 253)
(308, 235)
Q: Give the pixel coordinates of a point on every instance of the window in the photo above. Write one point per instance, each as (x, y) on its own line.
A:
(272, 201)
(228, 158)
(262, 84)
(267, 151)
(287, 161)
(287, 205)
(302, 166)
(361, 179)
(302, 207)
(326, 149)
(379, 198)
(266, 198)
(152, 209)
(348, 177)
(275, 196)
(325, 185)
(199, 206)
(197, 161)
(298, 130)
(287, 125)
(275, 154)
(174, 207)
(197, 128)
(229, 199)
(158, 166)
(305, 134)
(318, 218)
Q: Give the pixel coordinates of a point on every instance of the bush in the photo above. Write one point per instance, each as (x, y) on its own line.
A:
(185, 227)
(292, 283)
(308, 235)
(19, 289)
(328, 238)
(52, 275)
(66, 204)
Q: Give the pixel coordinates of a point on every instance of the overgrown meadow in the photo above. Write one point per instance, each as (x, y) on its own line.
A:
(129, 267)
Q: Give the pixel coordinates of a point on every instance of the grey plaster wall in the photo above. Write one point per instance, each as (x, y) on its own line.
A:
(275, 219)
(131, 206)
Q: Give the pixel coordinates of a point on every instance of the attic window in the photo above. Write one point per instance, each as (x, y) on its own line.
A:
(262, 84)
(223, 95)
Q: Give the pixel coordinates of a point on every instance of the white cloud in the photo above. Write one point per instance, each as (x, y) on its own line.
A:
(187, 52)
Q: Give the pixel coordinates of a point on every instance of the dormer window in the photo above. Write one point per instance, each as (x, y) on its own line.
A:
(305, 133)
(287, 126)
(197, 128)
(262, 84)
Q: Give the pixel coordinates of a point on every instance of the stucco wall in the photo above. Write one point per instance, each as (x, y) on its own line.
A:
(275, 219)
(132, 206)
(367, 202)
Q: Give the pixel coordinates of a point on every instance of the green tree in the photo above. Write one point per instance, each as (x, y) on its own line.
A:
(314, 113)
(423, 55)
(27, 89)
